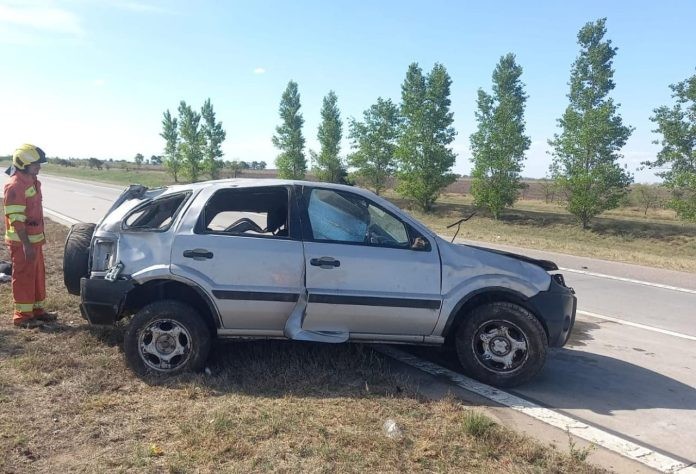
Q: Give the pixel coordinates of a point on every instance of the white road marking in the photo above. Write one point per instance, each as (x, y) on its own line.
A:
(582, 430)
(629, 280)
(637, 325)
(60, 216)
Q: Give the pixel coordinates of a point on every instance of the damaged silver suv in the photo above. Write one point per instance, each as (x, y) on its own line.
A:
(306, 261)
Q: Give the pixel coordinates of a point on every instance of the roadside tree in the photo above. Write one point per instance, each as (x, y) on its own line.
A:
(191, 141)
(291, 161)
(328, 165)
(214, 136)
(139, 158)
(95, 163)
(172, 157)
(423, 153)
(586, 153)
(677, 159)
(499, 144)
(374, 141)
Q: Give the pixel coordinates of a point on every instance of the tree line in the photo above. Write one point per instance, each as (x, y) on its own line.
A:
(411, 141)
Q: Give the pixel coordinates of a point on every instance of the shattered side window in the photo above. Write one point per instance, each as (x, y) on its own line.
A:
(349, 218)
(155, 215)
(334, 217)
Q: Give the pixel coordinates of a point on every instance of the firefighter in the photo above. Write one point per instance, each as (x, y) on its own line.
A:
(25, 237)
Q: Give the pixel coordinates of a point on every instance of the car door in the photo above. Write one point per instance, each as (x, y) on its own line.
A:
(236, 244)
(364, 273)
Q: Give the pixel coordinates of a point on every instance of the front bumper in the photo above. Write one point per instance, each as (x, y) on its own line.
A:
(103, 300)
(556, 308)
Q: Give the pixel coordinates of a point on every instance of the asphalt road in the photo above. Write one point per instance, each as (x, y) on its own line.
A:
(631, 370)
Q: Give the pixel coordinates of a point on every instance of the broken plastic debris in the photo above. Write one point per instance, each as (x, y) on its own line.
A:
(392, 430)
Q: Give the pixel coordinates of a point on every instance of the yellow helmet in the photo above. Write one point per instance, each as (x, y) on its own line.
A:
(26, 155)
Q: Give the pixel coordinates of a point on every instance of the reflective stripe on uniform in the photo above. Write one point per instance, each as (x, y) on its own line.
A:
(15, 209)
(39, 305)
(33, 238)
(30, 192)
(17, 218)
(24, 307)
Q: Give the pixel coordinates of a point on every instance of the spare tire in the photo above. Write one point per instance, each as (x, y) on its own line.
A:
(76, 255)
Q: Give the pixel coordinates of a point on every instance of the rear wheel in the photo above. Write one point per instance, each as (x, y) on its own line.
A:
(501, 344)
(76, 255)
(166, 338)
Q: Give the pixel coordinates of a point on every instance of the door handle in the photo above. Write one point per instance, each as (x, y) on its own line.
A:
(198, 254)
(325, 262)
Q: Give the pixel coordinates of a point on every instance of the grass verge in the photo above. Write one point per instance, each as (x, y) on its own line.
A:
(68, 403)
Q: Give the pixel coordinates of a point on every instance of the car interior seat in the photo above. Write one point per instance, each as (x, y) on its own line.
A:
(276, 223)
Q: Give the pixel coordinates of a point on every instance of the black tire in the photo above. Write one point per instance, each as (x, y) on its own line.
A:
(489, 344)
(179, 324)
(76, 255)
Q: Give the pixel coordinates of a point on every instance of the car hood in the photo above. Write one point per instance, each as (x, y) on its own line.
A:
(547, 265)
(465, 263)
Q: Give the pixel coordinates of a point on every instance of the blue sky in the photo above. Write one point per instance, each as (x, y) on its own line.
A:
(92, 77)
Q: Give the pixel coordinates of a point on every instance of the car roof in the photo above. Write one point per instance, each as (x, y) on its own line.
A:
(264, 182)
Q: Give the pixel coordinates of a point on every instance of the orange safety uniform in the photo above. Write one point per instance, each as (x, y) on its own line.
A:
(23, 210)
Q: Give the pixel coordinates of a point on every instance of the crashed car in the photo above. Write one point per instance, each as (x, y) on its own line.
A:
(245, 258)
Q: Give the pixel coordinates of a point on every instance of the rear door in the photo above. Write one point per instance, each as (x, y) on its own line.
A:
(235, 245)
(365, 273)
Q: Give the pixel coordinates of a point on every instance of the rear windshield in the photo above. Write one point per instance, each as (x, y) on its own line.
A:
(157, 214)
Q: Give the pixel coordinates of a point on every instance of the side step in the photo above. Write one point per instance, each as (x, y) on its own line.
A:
(293, 326)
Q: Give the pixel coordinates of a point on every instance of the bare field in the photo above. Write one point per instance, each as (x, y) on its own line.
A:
(68, 403)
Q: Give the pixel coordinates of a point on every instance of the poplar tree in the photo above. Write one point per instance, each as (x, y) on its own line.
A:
(677, 125)
(291, 161)
(328, 164)
(499, 144)
(586, 153)
(374, 140)
(214, 135)
(423, 153)
(191, 142)
(170, 133)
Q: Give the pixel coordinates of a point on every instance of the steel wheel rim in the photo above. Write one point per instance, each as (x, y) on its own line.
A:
(165, 345)
(500, 346)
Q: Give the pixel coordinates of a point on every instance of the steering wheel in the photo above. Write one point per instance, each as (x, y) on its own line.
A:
(242, 225)
(373, 237)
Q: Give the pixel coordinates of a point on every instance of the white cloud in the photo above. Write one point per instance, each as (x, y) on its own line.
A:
(40, 18)
(137, 6)
(259, 70)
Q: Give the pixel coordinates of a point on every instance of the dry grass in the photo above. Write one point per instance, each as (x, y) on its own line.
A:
(68, 403)
(620, 235)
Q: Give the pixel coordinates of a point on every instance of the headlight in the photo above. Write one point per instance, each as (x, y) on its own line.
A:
(104, 256)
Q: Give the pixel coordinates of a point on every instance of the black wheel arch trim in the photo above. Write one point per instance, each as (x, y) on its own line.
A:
(516, 297)
(104, 302)
(549, 307)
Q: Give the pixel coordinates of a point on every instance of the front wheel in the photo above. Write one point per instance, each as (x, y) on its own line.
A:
(166, 338)
(501, 344)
